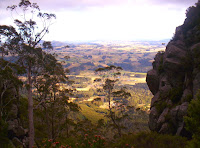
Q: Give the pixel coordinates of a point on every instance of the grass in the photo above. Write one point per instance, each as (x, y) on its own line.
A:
(83, 89)
(93, 112)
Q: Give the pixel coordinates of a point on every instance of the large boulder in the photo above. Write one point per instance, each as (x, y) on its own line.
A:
(152, 81)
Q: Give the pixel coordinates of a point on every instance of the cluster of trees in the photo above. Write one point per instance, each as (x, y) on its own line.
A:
(22, 54)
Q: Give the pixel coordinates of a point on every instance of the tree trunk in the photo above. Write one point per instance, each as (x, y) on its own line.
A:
(67, 126)
(30, 110)
(111, 114)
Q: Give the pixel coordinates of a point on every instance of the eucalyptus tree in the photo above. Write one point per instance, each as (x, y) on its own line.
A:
(116, 109)
(23, 42)
(53, 105)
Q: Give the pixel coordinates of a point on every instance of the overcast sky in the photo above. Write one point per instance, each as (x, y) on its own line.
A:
(83, 20)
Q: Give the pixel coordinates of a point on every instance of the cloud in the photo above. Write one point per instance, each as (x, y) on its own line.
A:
(5, 3)
(84, 4)
(110, 19)
(77, 4)
(174, 2)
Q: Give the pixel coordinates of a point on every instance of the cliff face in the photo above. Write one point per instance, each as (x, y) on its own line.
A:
(175, 77)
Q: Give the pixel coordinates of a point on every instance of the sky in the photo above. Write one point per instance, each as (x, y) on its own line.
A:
(91, 20)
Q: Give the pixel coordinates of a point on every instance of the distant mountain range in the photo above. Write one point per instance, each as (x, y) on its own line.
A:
(62, 43)
(134, 56)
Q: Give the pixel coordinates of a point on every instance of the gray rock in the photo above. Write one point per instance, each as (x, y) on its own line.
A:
(164, 85)
(158, 60)
(173, 114)
(180, 128)
(12, 124)
(152, 81)
(25, 141)
(161, 119)
(13, 112)
(153, 117)
(196, 84)
(182, 111)
(19, 131)
(164, 129)
(172, 65)
(186, 94)
(155, 98)
(175, 52)
(196, 46)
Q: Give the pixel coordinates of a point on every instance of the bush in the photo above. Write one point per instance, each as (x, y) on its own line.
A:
(175, 94)
(85, 141)
(192, 121)
(160, 67)
(3, 134)
(151, 140)
(160, 106)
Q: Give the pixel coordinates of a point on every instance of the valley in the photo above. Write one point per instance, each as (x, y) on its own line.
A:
(83, 58)
(131, 56)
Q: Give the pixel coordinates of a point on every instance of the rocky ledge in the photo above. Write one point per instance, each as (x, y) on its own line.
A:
(175, 78)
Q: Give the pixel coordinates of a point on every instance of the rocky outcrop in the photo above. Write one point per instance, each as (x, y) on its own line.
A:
(16, 133)
(175, 78)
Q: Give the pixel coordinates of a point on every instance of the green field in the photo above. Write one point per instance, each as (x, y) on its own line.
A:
(93, 112)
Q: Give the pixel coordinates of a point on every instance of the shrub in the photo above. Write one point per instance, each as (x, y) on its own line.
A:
(175, 94)
(160, 67)
(150, 140)
(160, 106)
(85, 141)
(192, 121)
(188, 98)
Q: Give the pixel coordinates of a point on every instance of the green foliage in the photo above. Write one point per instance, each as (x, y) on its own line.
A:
(54, 116)
(150, 140)
(84, 141)
(160, 67)
(160, 106)
(188, 62)
(22, 45)
(191, 25)
(23, 114)
(188, 98)
(196, 58)
(140, 94)
(175, 94)
(192, 120)
(4, 141)
(193, 17)
(195, 142)
(109, 68)
(9, 89)
(116, 111)
(93, 112)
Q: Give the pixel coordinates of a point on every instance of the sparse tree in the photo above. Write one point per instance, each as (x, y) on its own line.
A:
(53, 103)
(110, 73)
